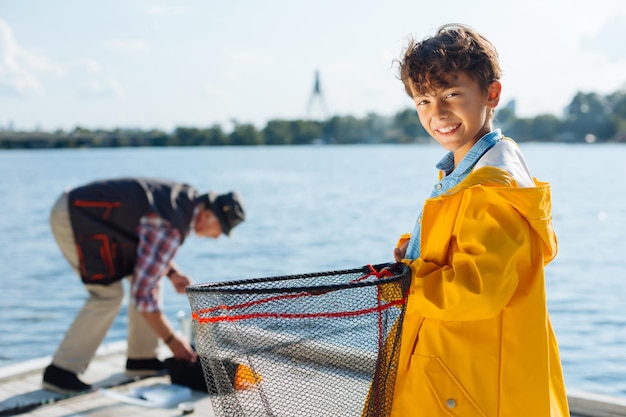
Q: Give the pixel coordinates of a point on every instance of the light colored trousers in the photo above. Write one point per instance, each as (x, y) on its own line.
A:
(97, 315)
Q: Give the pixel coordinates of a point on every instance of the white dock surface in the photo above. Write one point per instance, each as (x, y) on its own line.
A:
(20, 385)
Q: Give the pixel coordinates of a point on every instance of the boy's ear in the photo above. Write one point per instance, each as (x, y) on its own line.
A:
(493, 94)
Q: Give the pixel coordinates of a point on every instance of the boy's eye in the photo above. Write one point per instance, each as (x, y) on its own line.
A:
(452, 95)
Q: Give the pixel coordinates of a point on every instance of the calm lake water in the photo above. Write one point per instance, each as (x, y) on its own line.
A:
(318, 208)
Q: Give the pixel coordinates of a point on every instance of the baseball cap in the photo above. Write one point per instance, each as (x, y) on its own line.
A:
(229, 209)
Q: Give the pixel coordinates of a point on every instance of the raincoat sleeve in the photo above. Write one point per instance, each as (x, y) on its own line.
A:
(471, 249)
(404, 238)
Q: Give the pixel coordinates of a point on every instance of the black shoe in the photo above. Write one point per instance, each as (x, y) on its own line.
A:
(62, 381)
(144, 367)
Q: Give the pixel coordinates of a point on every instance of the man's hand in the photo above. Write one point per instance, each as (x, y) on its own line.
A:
(181, 349)
(179, 281)
(179, 346)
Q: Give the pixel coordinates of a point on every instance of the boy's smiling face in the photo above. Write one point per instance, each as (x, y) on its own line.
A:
(459, 114)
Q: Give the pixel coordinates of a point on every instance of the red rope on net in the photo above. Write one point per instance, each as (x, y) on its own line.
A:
(372, 272)
(383, 273)
(378, 308)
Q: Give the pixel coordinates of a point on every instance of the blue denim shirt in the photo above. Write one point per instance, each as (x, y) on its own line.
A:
(452, 178)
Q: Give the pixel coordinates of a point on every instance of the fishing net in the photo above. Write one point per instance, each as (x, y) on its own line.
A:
(320, 344)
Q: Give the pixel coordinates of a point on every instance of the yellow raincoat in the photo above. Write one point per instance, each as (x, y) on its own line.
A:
(477, 338)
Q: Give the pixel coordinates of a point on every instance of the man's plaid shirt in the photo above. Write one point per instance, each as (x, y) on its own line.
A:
(158, 243)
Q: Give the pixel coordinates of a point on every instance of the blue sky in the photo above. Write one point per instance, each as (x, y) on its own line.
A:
(162, 64)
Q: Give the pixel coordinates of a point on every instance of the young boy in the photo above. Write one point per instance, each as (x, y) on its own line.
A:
(477, 338)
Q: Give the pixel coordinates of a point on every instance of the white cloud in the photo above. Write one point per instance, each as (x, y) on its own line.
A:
(216, 93)
(232, 77)
(91, 66)
(127, 46)
(21, 70)
(20, 85)
(608, 39)
(98, 88)
(27, 74)
(244, 57)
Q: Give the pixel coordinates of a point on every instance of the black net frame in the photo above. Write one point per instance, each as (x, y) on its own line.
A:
(324, 343)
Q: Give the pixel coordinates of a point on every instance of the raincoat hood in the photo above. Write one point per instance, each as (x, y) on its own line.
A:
(533, 203)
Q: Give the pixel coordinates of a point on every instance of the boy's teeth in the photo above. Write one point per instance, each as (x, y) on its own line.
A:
(447, 129)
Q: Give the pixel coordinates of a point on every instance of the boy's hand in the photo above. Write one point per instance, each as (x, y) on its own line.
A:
(400, 251)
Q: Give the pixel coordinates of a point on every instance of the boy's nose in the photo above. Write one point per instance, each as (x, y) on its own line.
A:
(440, 108)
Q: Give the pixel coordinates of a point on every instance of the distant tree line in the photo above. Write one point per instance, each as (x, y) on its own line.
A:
(589, 117)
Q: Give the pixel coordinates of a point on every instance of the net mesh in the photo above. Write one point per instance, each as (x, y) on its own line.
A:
(321, 344)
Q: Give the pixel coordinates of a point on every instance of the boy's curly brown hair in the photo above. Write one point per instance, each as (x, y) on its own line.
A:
(433, 62)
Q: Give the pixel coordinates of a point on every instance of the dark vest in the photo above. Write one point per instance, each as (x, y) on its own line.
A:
(105, 216)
